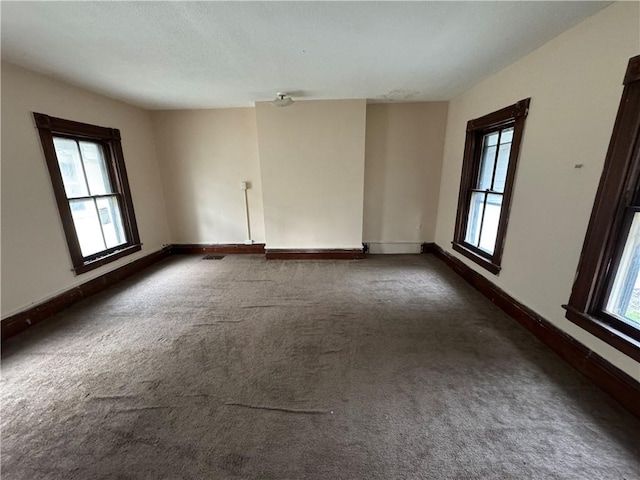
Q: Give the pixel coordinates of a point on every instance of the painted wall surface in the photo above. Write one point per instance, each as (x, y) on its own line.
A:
(35, 259)
(204, 155)
(403, 160)
(575, 85)
(312, 165)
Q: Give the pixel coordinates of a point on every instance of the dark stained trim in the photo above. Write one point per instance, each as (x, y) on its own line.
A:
(428, 248)
(605, 332)
(511, 116)
(633, 70)
(226, 248)
(21, 321)
(480, 260)
(61, 125)
(500, 117)
(123, 252)
(110, 142)
(314, 254)
(609, 224)
(609, 378)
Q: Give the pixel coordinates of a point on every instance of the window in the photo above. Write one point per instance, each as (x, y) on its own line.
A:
(605, 299)
(90, 184)
(488, 171)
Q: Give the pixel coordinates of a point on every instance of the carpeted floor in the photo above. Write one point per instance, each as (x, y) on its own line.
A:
(386, 368)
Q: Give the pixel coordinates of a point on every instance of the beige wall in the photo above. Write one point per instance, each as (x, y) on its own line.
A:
(204, 155)
(35, 259)
(312, 164)
(403, 160)
(574, 83)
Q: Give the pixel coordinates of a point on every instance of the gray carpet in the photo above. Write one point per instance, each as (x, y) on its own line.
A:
(386, 368)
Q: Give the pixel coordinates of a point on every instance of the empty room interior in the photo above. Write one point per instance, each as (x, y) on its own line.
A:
(323, 240)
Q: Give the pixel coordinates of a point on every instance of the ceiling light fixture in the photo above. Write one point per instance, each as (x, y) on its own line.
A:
(282, 100)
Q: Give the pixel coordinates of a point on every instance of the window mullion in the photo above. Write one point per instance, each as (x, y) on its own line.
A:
(495, 160)
(84, 172)
(484, 209)
(104, 239)
(89, 197)
(632, 208)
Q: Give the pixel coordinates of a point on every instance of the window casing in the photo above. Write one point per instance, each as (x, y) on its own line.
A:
(491, 153)
(605, 299)
(89, 180)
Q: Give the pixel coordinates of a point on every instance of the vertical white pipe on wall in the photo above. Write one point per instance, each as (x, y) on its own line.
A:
(245, 187)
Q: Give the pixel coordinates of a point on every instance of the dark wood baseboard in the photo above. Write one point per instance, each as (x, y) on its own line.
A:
(19, 322)
(311, 254)
(428, 248)
(609, 378)
(227, 248)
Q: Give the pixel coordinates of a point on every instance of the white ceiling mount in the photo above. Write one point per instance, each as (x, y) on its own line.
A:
(282, 100)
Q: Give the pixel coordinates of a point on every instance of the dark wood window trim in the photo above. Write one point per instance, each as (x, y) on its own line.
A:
(619, 188)
(109, 139)
(511, 116)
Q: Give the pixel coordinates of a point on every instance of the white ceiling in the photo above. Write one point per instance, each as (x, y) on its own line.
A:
(167, 55)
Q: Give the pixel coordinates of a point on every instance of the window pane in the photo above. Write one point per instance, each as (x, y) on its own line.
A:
(475, 218)
(87, 223)
(624, 299)
(491, 139)
(507, 136)
(95, 168)
(490, 224)
(70, 167)
(111, 221)
(489, 146)
(501, 168)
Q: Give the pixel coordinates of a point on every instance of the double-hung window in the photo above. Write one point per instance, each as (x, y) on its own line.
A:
(605, 299)
(90, 184)
(488, 171)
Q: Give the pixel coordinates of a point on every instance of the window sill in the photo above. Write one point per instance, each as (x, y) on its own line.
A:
(92, 265)
(605, 332)
(480, 260)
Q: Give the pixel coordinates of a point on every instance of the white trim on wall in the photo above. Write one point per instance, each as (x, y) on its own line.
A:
(393, 248)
